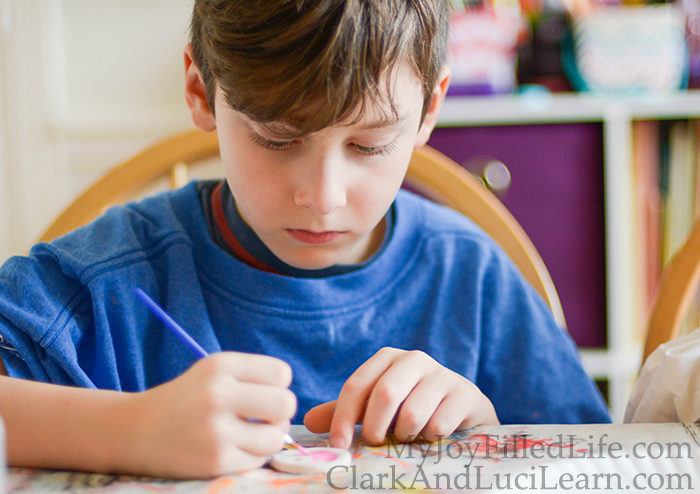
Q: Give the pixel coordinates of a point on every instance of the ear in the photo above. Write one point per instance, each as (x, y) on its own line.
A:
(436, 101)
(196, 94)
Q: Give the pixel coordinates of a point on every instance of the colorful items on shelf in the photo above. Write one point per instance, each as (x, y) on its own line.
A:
(631, 48)
(601, 45)
(482, 52)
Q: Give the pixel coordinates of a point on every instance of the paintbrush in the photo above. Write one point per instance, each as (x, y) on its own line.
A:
(193, 345)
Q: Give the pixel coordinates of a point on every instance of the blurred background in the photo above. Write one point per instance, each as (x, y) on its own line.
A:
(84, 84)
(580, 115)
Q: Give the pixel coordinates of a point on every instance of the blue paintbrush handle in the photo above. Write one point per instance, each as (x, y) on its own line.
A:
(171, 324)
(190, 342)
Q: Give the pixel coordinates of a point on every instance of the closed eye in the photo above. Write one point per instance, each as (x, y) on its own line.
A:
(375, 151)
(270, 144)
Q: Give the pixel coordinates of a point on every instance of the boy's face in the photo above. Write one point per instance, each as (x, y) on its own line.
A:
(319, 200)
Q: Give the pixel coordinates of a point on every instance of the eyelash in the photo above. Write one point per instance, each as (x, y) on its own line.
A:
(380, 151)
(283, 145)
(269, 144)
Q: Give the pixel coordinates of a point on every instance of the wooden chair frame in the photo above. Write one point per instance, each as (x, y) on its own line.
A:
(430, 172)
(677, 287)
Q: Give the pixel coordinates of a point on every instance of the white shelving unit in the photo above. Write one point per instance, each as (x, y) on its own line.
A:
(619, 362)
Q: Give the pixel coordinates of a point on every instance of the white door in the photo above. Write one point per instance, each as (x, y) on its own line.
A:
(83, 85)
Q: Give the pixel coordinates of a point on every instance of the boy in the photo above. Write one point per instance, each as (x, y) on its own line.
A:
(387, 310)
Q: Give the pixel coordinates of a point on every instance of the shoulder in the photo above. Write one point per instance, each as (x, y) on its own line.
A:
(439, 230)
(453, 247)
(68, 290)
(124, 233)
(450, 245)
(429, 219)
(432, 217)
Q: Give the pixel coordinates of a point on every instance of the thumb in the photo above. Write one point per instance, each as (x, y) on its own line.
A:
(318, 419)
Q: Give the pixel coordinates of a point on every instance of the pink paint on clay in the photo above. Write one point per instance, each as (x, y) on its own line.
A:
(319, 460)
(321, 455)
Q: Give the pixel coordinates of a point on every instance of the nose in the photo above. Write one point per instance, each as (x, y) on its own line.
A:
(322, 190)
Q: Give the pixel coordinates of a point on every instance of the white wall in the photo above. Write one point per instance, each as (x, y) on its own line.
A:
(84, 84)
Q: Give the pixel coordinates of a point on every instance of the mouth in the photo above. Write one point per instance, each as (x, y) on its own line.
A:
(309, 237)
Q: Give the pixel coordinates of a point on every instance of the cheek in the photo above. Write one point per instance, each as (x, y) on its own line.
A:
(243, 161)
(250, 174)
(258, 193)
(396, 172)
(375, 193)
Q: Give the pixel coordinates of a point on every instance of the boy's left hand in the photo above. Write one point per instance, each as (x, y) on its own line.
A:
(407, 389)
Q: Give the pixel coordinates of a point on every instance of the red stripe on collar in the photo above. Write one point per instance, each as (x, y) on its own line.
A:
(229, 237)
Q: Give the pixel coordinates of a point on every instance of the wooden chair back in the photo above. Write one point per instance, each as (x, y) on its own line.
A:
(677, 288)
(430, 172)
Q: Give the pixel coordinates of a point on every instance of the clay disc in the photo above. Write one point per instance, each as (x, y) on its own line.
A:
(319, 461)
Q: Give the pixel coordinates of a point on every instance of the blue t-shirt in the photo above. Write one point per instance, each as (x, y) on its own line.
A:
(68, 313)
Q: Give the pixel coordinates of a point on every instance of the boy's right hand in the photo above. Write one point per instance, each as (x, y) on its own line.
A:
(197, 425)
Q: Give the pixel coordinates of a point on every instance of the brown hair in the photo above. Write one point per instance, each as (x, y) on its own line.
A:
(275, 60)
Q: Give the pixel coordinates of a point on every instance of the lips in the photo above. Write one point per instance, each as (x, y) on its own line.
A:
(309, 237)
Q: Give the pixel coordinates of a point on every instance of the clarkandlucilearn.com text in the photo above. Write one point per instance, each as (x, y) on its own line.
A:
(475, 478)
(540, 477)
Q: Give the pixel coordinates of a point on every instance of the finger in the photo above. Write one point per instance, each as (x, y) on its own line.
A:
(452, 413)
(318, 419)
(263, 403)
(258, 439)
(240, 461)
(234, 446)
(251, 368)
(353, 396)
(418, 408)
(389, 393)
(233, 460)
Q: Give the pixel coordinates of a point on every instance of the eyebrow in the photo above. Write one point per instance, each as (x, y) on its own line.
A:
(386, 121)
(285, 131)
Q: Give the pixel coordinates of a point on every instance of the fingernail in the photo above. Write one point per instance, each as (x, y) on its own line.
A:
(338, 441)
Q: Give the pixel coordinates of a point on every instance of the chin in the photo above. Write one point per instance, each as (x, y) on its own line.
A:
(312, 264)
(314, 260)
